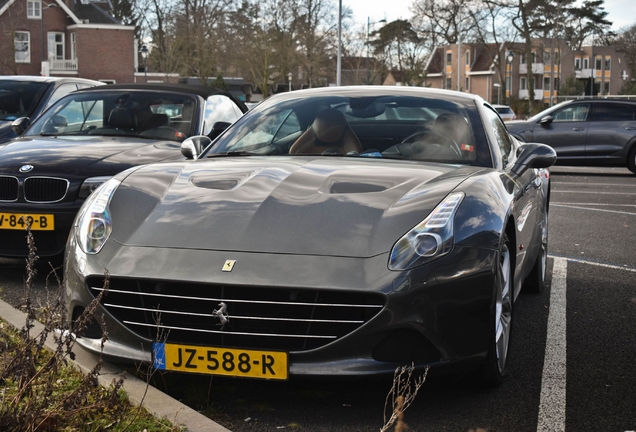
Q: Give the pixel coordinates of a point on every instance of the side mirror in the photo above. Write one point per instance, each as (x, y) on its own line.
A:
(533, 155)
(20, 125)
(59, 120)
(546, 120)
(192, 147)
(217, 128)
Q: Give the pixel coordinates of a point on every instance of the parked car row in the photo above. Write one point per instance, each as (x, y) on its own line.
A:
(335, 231)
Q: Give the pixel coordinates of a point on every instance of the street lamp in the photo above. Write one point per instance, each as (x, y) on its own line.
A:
(339, 60)
(46, 6)
(368, 29)
(144, 55)
(510, 55)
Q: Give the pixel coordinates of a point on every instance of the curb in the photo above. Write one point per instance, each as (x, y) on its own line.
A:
(139, 392)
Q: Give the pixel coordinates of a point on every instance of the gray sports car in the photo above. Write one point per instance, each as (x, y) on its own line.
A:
(335, 231)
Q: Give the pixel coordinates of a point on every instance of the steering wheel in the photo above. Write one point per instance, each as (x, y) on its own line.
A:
(449, 142)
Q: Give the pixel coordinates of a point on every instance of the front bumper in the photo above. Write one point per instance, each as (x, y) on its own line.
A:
(438, 314)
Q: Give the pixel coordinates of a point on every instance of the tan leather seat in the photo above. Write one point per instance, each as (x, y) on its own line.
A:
(330, 130)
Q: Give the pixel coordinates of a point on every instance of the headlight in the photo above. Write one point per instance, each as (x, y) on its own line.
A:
(430, 239)
(90, 184)
(93, 224)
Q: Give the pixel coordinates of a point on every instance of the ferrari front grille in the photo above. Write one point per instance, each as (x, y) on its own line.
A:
(45, 189)
(237, 316)
(8, 188)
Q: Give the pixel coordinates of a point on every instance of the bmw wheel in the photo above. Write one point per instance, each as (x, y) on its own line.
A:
(495, 366)
(631, 160)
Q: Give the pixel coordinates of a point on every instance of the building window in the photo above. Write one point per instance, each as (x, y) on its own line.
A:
(449, 58)
(546, 83)
(522, 58)
(73, 46)
(547, 57)
(606, 88)
(598, 63)
(467, 62)
(449, 83)
(522, 84)
(467, 84)
(557, 83)
(34, 9)
(56, 46)
(586, 63)
(577, 63)
(22, 44)
(608, 63)
(509, 84)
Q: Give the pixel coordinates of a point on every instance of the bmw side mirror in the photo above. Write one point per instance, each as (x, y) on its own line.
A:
(546, 120)
(533, 155)
(20, 125)
(192, 147)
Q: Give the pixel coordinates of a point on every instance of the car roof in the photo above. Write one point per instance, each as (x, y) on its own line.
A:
(197, 90)
(36, 78)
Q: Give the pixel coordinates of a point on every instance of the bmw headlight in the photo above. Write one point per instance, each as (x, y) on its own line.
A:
(93, 225)
(90, 184)
(430, 239)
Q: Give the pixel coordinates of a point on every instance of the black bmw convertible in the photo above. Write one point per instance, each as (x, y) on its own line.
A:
(336, 231)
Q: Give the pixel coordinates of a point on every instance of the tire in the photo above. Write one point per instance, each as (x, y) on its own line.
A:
(631, 160)
(535, 282)
(494, 369)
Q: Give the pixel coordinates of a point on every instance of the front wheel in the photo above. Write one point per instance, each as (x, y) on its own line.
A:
(494, 368)
(535, 282)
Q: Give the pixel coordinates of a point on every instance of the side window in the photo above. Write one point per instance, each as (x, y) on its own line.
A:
(501, 135)
(572, 113)
(60, 92)
(613, 112)
(218, 108)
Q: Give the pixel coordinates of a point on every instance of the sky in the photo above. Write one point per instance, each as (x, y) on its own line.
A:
(621, 12)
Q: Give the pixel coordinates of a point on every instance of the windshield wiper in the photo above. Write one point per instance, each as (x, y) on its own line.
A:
(232, 153)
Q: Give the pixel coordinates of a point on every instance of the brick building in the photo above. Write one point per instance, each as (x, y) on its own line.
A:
(497, 73)
(65, 38)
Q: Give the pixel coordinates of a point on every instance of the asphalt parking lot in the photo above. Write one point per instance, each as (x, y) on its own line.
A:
(573, 359)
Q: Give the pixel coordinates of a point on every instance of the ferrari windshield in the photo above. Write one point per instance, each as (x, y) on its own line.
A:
(361, 123)
(143, 114)
(19, 98)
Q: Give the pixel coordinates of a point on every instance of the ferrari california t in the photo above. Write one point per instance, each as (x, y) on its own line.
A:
(336, 231)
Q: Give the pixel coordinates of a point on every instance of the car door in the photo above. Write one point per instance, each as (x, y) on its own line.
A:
(612, 126)
(565, 131)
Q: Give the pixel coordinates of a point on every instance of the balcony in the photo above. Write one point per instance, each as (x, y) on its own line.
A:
(63, 65)
(583, 73)
(537, 68)
(538, 94)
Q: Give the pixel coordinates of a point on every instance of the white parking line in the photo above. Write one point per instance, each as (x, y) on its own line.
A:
(592, 192)
(595, 184)
(593, 204)
(553, 382)
(595, 263)
(593, 209)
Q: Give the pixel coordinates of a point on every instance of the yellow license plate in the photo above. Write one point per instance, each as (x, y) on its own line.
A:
(18, 221)
(220, 361)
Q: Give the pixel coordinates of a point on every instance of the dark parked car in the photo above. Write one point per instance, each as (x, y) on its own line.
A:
(86, 138)
(28, 96)
(591, 132)
(321, 235)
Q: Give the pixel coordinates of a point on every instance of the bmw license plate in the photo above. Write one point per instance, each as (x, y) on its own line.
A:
(18, 221)
(220, 361)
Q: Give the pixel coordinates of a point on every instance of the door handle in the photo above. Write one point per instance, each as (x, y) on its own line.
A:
(578, 129)
(630, 128)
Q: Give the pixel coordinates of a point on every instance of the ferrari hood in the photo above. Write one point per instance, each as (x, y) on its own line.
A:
(289, 205)
(83, 156)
